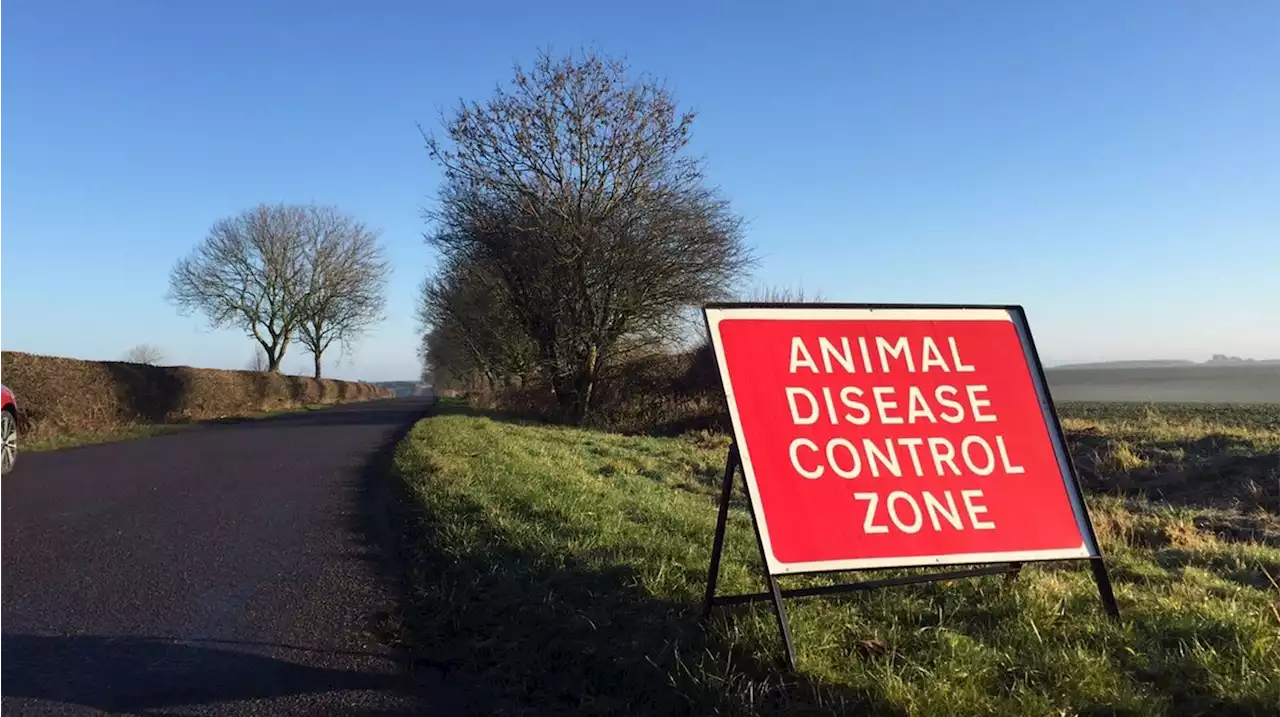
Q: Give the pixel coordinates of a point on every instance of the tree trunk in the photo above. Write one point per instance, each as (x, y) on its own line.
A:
(317, 358)
(565, 388)
(573, 393)
(587, 383)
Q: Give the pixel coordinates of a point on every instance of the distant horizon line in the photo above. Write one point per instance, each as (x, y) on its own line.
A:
(1216, 360)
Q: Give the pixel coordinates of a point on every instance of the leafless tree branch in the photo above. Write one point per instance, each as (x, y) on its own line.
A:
(248, 273)
(283, 271)
(346, 276)
(571, 195)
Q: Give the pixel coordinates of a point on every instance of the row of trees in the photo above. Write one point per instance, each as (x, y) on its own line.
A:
(152, 355)
(573, 231)
(283, 273)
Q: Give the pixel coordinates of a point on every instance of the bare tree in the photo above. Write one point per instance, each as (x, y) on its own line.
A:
(347, 274)
(250, 273)
(144, 354)
(573, 192)
(259, 362)
(782, 294)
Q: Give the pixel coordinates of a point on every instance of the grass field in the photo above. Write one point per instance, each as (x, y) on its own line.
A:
(560, 571)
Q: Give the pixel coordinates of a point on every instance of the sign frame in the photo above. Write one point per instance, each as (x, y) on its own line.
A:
(739, 458)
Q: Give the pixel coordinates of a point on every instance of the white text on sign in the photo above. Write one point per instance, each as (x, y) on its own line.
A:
(980, 454)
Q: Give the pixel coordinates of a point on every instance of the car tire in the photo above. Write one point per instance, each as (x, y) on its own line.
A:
(8, 441)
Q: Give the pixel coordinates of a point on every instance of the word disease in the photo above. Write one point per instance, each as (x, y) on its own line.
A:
(930, 428)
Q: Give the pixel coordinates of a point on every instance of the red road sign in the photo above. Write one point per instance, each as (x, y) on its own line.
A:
(893, 437)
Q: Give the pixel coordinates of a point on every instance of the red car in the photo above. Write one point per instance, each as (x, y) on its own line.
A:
(8, 430)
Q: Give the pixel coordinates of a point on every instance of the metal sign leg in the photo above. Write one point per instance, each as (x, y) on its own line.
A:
(779, 610)
(717, 550)
(775, 593)
(726, 490)
(1103, 580)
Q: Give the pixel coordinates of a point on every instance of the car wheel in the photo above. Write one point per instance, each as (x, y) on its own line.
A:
(8, 441)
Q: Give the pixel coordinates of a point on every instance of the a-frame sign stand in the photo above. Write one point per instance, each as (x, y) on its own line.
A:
(717, 548)
(776, 593)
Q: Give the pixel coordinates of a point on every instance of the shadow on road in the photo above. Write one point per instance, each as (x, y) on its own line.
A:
(131, 674)
(380, 527)
(385, 412)
(152, 674)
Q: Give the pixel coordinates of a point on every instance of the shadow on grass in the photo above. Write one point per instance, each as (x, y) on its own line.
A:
(1254, 574)
(515, 632)
(459, 407)
(1190, 686)
(1211, 471)
(670, 424)
(688, 424)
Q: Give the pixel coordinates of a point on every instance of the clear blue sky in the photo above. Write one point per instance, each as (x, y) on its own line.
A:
(1115, 167)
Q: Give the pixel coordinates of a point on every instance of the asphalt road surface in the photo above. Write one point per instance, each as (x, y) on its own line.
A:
(231, 569)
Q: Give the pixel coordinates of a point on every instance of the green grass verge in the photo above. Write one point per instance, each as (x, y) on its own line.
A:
(560, 571)
(88, 438)
(40, 444)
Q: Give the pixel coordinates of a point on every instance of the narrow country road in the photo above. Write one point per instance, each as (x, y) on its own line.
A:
(230, 569)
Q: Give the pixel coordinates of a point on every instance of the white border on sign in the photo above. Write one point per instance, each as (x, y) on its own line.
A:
(714, 315)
